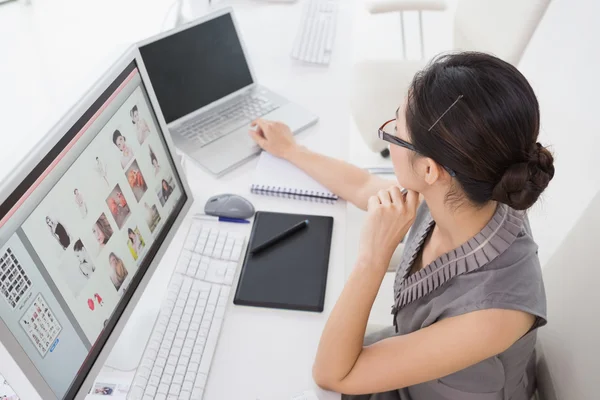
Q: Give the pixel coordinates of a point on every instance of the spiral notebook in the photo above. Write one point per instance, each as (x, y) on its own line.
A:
(276, 177)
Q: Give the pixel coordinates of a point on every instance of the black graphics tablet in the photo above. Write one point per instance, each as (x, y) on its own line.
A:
(290, 274)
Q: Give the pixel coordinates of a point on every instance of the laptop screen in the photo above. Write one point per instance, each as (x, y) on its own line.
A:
(197, 66)
(80, 231)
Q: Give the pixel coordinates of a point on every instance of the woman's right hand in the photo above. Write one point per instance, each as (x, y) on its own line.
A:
(273, 137)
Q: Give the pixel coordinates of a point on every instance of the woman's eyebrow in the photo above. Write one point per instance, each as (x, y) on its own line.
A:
(397, 109)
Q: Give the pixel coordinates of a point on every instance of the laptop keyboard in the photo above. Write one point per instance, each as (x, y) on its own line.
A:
(208, 128)
(179, 353)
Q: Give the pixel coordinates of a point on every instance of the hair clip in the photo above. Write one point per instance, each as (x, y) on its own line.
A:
(445, 112)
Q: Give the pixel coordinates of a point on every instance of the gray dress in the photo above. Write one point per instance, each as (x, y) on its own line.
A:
(497, 268)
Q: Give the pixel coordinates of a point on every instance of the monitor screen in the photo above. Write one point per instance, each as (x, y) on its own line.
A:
(197, 66)
(80, 231)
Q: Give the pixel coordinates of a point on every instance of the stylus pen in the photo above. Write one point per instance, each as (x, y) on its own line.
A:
(221, 219)
(287, 233)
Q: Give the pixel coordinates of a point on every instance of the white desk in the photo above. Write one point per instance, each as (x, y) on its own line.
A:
(268, 354)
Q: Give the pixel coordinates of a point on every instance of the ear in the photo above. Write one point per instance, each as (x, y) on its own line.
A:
(433, 172)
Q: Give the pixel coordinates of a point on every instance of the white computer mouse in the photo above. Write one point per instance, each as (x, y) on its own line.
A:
(230, 206)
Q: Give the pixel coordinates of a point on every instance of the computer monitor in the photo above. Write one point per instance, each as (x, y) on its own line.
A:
(83, 223)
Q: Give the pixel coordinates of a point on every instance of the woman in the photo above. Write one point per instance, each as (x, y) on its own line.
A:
(468, 293)
(118, 272)
(166, 190)
(121, 143)
(59, 232)
(141, 126)
(80, 203)
(86, 266)
(102, 231)
(101, 170)
(154, 162)
(135, 243)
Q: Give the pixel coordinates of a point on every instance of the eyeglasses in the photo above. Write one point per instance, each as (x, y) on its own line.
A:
(383, 135)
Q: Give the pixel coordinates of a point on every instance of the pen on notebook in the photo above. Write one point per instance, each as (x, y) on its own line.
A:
(221, 219)
(277, 238)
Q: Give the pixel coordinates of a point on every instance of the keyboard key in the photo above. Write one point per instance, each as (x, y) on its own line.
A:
(136, 392)
(150, 391)
(200, 380)
(229, 277)
(175, 389)
(178, 379)
(197, 394)
(163, 388)
(154, 381)
(185, 394)
(236, 252)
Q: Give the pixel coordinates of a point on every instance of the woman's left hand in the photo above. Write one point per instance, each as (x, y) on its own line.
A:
(390, 215)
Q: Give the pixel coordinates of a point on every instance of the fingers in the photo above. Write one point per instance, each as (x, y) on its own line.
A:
(262, 124)
(384, 197)
(396, 195)
(257, 137)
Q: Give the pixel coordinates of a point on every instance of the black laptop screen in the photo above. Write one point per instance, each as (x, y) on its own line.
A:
(196, 66)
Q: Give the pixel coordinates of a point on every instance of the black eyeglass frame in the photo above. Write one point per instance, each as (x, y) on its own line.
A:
(386, 137)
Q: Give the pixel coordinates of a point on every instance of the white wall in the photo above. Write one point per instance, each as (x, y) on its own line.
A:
(562, 62)
(52, 51)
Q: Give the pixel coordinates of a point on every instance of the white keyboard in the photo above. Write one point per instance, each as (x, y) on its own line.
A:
(177, 358)
(316, 34)
(208, 128)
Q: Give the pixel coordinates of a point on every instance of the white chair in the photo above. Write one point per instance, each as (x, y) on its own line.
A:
(500, 27)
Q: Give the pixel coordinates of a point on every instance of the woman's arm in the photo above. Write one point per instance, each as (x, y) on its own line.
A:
(342, 363)
(346, 180)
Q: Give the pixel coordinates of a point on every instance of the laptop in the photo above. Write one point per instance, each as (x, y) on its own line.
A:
(207, 90)
(84, 222)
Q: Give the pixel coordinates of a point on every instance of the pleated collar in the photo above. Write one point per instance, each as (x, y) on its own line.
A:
(494, 239)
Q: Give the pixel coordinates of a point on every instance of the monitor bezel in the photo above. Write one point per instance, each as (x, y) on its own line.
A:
(82, 384)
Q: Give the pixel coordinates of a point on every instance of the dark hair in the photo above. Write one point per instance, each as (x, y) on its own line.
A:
(78, 246)
(130, 231)
(74, 190)
(166, 192)
(489, 137)
(134, 109)
(116, 135)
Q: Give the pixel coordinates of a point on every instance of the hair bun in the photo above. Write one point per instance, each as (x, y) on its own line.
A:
(522, 183)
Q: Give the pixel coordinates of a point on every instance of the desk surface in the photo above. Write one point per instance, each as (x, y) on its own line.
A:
(268, 354)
